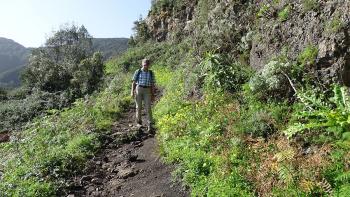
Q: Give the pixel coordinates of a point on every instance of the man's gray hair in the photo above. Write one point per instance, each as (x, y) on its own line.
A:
(145, 61)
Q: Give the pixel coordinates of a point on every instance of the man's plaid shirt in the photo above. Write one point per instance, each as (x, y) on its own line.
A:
(144, 79)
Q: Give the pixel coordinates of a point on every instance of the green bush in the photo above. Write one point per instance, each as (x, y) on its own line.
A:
(16, 113)
(308, 55)
(334, 25)
(264, 11)
(220, 74)
(257, 118)
(337, 174)
(309, 5)
(3, 94)
(272, 81)
(330, 117)
(283, 15)
(65, 64)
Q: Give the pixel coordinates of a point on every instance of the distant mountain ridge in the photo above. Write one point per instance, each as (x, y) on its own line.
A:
(14, 56)
(110, 46)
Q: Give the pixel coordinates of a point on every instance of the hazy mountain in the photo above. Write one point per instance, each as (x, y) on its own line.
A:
(14, 56)
(110, 46)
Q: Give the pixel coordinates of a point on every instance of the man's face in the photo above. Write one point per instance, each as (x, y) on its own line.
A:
(146, 65)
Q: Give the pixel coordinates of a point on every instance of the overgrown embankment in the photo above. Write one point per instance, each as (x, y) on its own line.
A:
(254, 102)
(38, 160)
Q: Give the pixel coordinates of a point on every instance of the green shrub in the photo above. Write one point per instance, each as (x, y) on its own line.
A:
(264, 11)
(16, 113)
(334, 25)
(188, 136)
(308, 55)
(65, 64)
(220, 74)
(309, 5)
(271, 81)
(319, 115)
(257, 118)
(283, 15)
(337, 174)
(3, 94)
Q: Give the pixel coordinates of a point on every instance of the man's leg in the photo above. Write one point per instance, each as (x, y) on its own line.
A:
(147, 99)
(138, 101)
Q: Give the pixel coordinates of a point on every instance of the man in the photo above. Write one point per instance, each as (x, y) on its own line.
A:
(143, 89)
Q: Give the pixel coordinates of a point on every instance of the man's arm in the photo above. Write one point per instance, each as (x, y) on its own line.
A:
(133, 86)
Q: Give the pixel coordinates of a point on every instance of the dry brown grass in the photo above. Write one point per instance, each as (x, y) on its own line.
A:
(269, 158)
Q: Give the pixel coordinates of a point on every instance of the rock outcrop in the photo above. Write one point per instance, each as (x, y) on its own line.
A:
(324, 25)
(261, 30)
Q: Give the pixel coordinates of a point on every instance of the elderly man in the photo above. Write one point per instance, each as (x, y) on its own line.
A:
(142, 88)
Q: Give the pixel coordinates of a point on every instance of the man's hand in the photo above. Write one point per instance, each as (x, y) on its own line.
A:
(133, 87)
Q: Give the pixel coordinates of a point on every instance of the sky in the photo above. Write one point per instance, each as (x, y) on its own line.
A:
(31, 22)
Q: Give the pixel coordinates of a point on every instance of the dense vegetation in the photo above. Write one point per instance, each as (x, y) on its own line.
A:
(58, 73)
(232, 130)
(56, 144)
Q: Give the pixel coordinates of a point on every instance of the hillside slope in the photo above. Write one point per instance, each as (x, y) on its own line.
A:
(256, 102)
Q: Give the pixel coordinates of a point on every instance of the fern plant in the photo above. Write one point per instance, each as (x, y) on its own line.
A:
(344, 177)
(332, 116)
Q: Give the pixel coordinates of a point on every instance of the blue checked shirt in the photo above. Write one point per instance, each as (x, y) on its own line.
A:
(144, 78)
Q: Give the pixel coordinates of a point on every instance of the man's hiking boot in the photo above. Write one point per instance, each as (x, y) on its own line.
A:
(138, 124)
(150, 130)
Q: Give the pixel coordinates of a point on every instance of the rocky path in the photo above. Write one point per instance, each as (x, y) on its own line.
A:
(128, 165)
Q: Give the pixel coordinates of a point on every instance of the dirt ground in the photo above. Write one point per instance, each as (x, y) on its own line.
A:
(128, 165)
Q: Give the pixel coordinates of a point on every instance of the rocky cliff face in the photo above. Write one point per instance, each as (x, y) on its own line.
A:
(322, 24)
(166, 19)
(261, 30)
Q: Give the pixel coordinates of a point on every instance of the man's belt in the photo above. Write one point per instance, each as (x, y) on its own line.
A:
(144, 86)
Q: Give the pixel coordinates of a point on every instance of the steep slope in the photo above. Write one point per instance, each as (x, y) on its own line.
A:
(261, 29)
(256, 102)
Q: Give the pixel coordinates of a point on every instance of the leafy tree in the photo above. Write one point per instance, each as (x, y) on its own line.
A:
(141, 31)
(65, 63)
(3, 94)
(131, 41)
(87, 74)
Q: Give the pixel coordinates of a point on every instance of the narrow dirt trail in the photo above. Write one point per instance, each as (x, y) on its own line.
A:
(127, 165)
